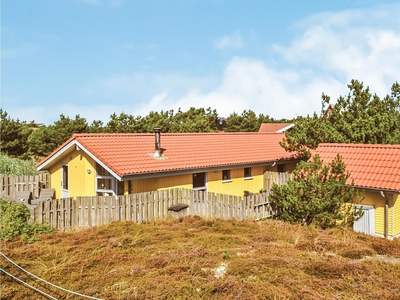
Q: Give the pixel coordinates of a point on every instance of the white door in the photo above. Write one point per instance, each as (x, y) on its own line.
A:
(64, 181)
(366, 224)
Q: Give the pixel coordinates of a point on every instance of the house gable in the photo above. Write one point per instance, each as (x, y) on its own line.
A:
(68, 147)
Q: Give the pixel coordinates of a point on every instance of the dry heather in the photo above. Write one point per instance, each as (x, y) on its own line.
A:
(193, 258)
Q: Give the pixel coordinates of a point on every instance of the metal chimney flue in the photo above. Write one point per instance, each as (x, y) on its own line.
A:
(158, 151)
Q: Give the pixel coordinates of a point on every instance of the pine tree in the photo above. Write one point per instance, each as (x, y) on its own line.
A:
(359, 117)
(317, 195)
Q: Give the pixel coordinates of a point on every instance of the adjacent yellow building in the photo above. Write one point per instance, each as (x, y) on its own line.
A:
(375, 169)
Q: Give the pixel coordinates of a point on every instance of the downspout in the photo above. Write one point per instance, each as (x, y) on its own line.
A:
(386, 214)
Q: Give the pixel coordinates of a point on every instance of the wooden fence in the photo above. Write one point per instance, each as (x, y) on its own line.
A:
(68, 213)
(9, 185)
(275, 177)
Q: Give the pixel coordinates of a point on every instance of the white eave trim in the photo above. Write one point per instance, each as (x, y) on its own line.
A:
(285, 128)
(82, 148)
(57, 155)
(98, 161)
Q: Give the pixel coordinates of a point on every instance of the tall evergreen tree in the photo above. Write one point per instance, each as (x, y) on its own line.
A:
(65, 127)
(359, 117)
(13, 136)
(195, 120)
(248, 121)
(47, 138)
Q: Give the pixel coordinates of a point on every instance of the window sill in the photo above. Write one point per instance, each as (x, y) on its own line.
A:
(226, 180)
(248, 178)
(201, 188)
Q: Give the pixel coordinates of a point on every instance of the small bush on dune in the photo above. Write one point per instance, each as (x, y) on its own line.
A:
(14, 222)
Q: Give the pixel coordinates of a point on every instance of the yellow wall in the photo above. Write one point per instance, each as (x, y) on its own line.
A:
(80, 182)
(376, 200)
(394, 224)
(161, 183)
(237, 184)
(83, 184)
(55, 179)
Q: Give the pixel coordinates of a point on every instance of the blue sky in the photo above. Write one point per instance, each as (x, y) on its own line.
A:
(97, 57)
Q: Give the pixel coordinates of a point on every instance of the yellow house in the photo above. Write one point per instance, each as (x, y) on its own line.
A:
(376, 170)
(117, 164)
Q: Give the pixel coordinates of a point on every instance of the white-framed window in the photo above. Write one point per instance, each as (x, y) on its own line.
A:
(105, 183)
(247, 173)
(226, 175)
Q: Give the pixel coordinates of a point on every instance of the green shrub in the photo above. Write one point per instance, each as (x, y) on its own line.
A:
(226, 255)
(14, 222)
(16, 166)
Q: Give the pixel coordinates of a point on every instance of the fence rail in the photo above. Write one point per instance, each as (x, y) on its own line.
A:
(9, 185)
(68, 213)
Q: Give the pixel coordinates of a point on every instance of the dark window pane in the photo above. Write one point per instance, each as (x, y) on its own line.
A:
(247, 172)
(104, 184)
(199, 180)
(65, 177)
(226, 174)
(120, 187)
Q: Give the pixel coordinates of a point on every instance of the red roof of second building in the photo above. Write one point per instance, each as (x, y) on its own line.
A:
(273, 127)
(127, 154)
(370, 166)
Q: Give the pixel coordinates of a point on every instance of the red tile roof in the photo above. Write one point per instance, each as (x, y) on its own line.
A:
(273, 127)
(371, 166)
(130, 154)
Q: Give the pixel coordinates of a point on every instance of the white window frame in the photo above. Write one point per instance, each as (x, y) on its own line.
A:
(111, 191)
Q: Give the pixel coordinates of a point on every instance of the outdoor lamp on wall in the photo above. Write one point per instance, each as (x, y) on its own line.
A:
(89, 170)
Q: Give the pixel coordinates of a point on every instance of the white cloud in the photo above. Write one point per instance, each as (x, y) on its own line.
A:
(332, 49)
(250, 84)
(233, 41)
(358, 44)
